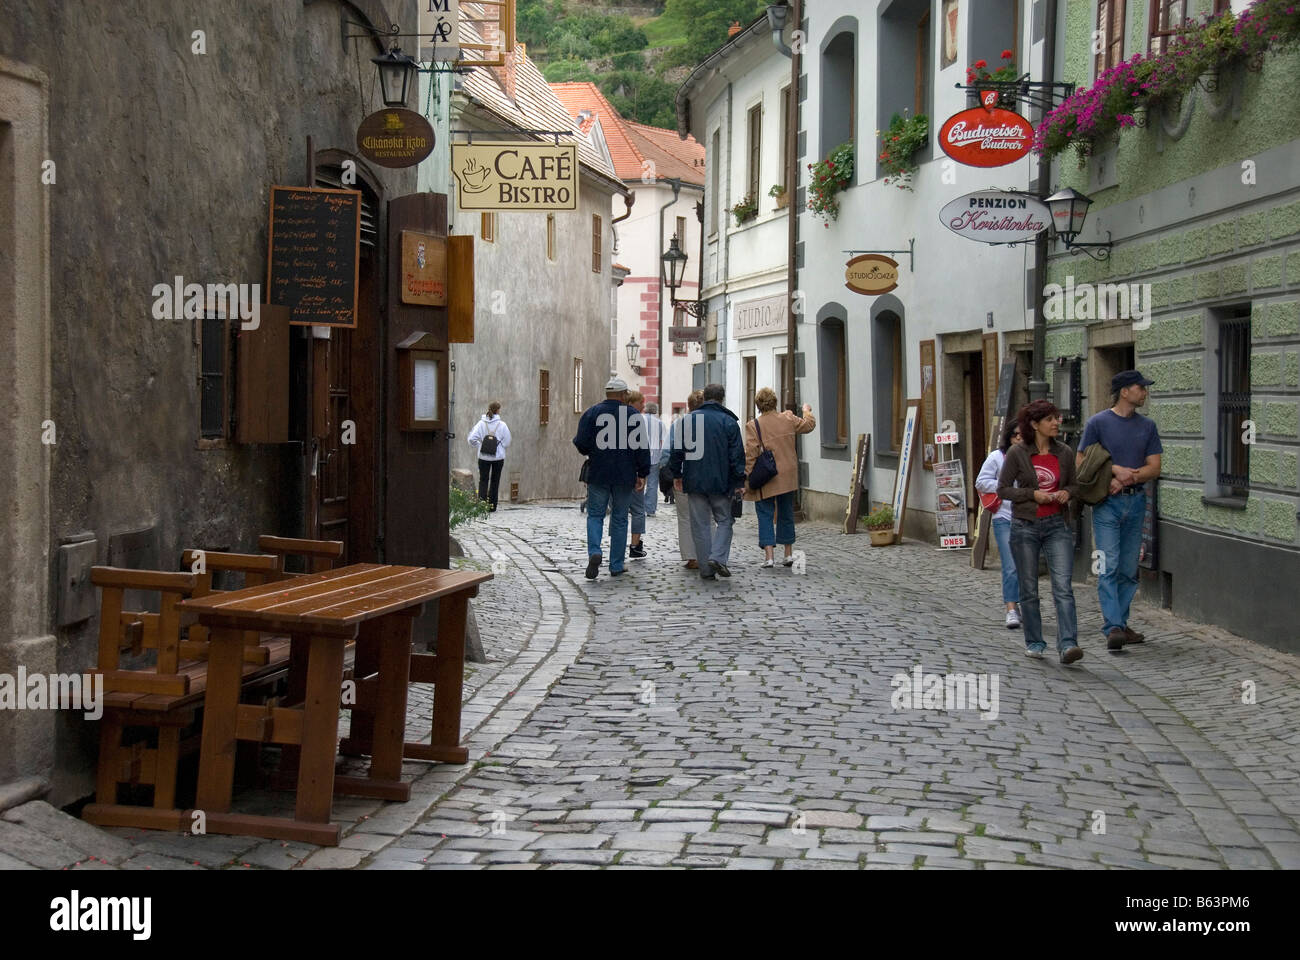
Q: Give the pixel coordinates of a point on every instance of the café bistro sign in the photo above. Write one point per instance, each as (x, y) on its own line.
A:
(395, 138)
(986, 137)
(871, 274)
(516, 175)
(996, 216)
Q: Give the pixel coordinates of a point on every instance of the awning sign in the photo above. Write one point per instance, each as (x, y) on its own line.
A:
(516, 176)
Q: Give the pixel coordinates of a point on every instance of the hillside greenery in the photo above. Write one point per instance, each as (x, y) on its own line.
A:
(637, 61)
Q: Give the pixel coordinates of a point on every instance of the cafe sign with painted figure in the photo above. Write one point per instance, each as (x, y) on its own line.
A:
(996, 216)
(984, 137)
(871, 274)
(515, 176)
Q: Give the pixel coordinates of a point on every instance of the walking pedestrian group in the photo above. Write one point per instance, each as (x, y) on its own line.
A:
(1032, 483)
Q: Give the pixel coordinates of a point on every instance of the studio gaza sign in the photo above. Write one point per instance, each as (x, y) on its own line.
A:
(516, 176)
(996, 216)
(871, 274)
(986, 137)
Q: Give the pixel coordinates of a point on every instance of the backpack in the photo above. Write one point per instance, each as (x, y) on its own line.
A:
(488, 448)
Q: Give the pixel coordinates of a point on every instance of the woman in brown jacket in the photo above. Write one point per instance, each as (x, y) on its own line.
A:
(777, 430)
(1038, 479)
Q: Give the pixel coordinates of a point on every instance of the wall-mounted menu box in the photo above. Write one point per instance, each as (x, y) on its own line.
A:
(422, 380)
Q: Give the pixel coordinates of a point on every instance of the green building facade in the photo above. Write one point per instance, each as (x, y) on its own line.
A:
(1202, 204)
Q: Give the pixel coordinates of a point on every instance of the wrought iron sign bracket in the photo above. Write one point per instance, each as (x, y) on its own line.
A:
(1043, 94)
(910, 251)
(513, 131)
(377, 35)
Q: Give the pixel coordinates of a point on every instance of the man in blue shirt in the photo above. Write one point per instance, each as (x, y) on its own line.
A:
(711, 474)
(612, 435)
(1134, 447)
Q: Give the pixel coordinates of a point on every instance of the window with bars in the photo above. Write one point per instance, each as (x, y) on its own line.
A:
(488, 228)
(213, 365)
(1110, 34)
(1234, 401)
(577, 385)
(595, 243)
(544, 397)
(1167, 16)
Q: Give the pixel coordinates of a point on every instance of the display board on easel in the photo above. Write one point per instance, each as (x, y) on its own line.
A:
(905, 457)
(858, 492)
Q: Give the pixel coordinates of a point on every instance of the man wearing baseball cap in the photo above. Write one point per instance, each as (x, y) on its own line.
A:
(1133, 443)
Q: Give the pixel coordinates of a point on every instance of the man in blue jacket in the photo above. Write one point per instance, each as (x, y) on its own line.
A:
(708, 458)
(612, 435)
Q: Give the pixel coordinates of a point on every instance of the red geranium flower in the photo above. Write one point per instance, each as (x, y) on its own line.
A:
(1007, 54)
(981, 64)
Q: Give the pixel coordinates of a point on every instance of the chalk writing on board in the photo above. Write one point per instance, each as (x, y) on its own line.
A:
(314, 254)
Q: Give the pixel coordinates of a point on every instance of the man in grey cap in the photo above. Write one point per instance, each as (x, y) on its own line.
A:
(612, 436)
(1133, 443)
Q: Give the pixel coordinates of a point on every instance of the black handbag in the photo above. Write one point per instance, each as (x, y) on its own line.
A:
(737, 506)
(586, 469)
(764, 471)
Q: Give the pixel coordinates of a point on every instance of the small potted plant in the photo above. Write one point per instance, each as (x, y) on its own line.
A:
(880, 524)
(899, 146)
(829, 177)
(746, 209)
(778, 194)
(978, 74)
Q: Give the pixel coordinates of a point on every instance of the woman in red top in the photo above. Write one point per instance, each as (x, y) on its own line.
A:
(1038, 478)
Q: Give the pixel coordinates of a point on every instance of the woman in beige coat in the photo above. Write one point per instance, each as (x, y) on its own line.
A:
(777, 430)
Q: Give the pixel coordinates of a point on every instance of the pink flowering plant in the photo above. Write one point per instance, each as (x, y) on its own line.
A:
(1093, 115)
(829, 177)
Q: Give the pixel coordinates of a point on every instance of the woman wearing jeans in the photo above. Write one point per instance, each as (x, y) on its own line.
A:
(987, 483)
(1038, 478)
(775, 431)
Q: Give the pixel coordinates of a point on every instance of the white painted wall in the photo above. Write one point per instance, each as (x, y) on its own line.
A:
(956, 281)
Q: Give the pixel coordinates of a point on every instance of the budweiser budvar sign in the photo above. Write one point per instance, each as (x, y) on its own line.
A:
(981, 137)
(996, 216)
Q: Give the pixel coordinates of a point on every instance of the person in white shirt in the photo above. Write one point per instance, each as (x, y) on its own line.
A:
(490, 438)
(987, 486)
(658, 433)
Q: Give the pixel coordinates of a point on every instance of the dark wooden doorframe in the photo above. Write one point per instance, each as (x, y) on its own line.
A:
(343, 495)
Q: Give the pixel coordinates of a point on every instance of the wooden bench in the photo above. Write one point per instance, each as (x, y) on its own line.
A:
(319, 555)
(163, 697)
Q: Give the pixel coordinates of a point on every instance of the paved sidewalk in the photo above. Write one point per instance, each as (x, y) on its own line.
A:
(661, 720)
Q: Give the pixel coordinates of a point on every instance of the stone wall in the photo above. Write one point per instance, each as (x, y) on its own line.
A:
(164, 160)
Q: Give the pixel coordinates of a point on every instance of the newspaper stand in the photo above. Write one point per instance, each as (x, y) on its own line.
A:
(950, 493)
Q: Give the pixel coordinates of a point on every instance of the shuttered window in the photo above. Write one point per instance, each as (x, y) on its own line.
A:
(1234, 402)
(212, 378)
(544, 397)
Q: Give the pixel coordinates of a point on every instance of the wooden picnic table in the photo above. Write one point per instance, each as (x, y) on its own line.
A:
(374, 604)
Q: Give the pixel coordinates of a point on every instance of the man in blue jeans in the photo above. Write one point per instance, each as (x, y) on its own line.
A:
(712, 474)
(1133, 443)
(612, 435)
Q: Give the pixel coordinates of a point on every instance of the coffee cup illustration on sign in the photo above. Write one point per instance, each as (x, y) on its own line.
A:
(473, 178)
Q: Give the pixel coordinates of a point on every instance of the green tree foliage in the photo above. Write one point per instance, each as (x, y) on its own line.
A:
(641, 96)
(568, 70)
(706, 24)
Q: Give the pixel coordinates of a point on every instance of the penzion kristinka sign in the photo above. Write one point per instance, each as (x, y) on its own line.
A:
(986, 137)
(996, 216)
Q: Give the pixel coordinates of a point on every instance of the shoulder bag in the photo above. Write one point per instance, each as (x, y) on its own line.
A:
(764, 471)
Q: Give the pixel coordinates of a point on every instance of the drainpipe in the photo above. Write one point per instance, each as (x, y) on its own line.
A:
(1038, 375)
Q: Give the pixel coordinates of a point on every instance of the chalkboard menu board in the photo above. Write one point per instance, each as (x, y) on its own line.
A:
(314, 254)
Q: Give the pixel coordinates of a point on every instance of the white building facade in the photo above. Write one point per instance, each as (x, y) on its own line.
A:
(961, 305)
(735, 104)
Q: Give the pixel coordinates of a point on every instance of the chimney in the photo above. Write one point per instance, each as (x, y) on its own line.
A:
(733, 29)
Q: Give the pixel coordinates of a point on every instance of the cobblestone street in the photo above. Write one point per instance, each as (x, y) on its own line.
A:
(658, 720)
